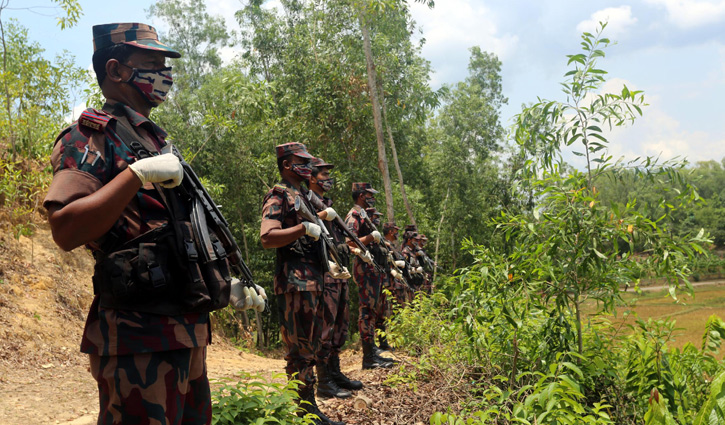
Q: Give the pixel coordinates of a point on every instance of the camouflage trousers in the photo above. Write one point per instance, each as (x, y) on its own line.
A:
(161, 388)
(300, 331)
(369, 284)
(400, 291)
(334, 315)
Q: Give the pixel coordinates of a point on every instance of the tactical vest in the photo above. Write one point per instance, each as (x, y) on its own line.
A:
(304, 247)
(161, 271)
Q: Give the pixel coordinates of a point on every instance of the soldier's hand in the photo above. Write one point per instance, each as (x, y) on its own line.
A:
(164, 169)
(337, 273)
(395, 274)
(312, 230)
(419, 270)
(331, 214)
(376, 235)
(236, 298)
(366, 257)
(400, 263)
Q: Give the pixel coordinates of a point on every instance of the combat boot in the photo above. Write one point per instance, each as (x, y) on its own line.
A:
(307, 394)
(377, 353)
(384, 343)
(326, 386)
(370, 361)
(340, 379)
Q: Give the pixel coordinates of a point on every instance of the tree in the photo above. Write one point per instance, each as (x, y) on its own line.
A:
(35, 89)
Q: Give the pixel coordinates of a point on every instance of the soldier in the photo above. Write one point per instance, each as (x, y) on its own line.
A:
(334, 311)
(384, 310)
(426, 262)
(298, 278)
(369, 281)
(148, 325)
(400, 285)
(415, 271)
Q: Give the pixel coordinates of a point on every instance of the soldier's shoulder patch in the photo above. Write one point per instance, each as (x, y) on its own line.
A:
(279, 189)
(94, 119)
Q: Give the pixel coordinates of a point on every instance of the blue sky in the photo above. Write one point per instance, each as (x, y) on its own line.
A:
(673, 50)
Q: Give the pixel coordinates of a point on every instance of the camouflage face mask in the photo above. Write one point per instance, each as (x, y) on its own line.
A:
(326, 184)
(302, 170)
(153, 84)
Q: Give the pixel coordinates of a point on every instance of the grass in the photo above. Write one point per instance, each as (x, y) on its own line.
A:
(689, 312)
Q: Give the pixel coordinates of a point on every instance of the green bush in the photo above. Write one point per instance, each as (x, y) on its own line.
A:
(252, 399)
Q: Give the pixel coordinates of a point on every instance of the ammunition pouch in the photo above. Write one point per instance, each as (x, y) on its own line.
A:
(380, 256)
(154, 273)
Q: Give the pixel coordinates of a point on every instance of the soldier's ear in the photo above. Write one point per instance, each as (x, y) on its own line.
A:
(113, 71)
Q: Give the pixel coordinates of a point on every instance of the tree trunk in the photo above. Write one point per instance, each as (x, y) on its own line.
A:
(8, 103)
(438, 233)
(377, 120)
(409, 210)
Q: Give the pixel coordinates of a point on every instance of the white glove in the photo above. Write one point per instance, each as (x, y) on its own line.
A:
(336, 273)
(331, 214)
(366, 257)
(400, 264)
(376, 235)
(236, 298)
(355, 251)
(312, 230)
(164, 169)
(419, 270)
(262, 293)
(395, 274)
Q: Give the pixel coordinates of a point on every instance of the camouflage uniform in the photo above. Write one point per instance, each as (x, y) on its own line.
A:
(400, 288)
(298, 282)
(415, 280)
(149, 368)
(369, 281)
(335, 311)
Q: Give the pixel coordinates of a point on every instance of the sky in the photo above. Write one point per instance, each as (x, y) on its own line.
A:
(673, 50)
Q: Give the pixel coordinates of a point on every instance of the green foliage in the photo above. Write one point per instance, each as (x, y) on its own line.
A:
(251, 399)
(37, 93)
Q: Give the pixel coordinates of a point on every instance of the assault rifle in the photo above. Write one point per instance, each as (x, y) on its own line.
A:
(427, 262)
(317, 203)
(391, 260)
(328, 245)
(203, 206)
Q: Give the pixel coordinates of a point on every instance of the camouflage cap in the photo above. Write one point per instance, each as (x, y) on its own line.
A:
(372, 212)
(411, 228)
(320, 163)
(423, 237)
(133, 34)
(410, 234)
(360, 187)
(389, 226)
(294, 148)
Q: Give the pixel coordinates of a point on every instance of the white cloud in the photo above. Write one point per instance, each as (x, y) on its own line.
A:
(692, 13)
(451, 28)
(619, 21)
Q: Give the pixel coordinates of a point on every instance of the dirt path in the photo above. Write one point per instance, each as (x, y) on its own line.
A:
(694, 284)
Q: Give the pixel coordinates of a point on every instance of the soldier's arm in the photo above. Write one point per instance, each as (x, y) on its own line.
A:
(277, 238)
(88, 218)
(353, 224)
(271, 234)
